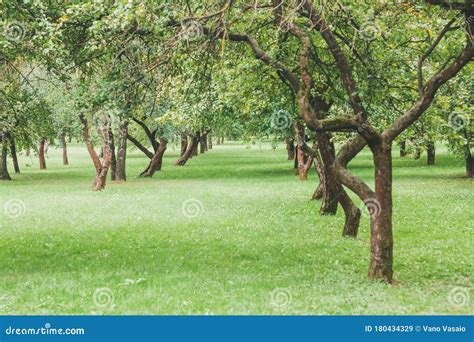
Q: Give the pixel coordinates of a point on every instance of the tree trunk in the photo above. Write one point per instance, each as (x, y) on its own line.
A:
(42, 161)
(196, 145)
(156, 161)
(218, 140)
(403, 148)
(120, 170)
(101, 167)
(202, 144)
(64, 147)
(209, 141)
(469, 161)
(319, 192)
(27, 151)
(330, 183)
(380, 209)
(4, 175)
(431, 153)
(192, 146)
(13, 153)
(113, 159)
(184, 144)
(222, 140)
(290, 148)
(304, 164)
(295, 161)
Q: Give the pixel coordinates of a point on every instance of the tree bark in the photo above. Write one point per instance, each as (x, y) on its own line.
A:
(184, 144)
(41, 150)
(290, 148)
(64, 147)
(304, 164)
(469, 161)
(191, 148)
(13, 153)
(120, 170)
(113, 159)
(209, 141)
(380, 208)
(202, 144)
(196, 145)
(4, 175)
(403, 148)
(101, 167)
(431, 152)
(156, 161)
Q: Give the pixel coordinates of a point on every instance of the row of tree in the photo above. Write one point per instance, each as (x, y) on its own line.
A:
(333, 77)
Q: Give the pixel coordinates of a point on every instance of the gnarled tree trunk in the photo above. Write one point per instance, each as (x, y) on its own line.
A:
(304, 164)
(101, 167)
(380, 208)
(41, 150)
(156, 161)
(191, 148)
(120, 169)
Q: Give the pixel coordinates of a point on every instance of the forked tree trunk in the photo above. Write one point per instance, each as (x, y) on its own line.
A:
(431, 151)
(13, 153)
(184, 144)
(4, 175)
(381, 240)
(120, 170)
(290, 148)
(42, 161)
(192, 146)
(113, 159)
(101, 167)
(469, 161)
(64, 147)
(156, 161)
(209, 141)
(403, 148)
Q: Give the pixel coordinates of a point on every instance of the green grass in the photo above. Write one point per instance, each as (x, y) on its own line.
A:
(258, 235)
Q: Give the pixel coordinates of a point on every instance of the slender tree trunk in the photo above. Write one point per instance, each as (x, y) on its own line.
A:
(156, 161)
(431, 152)
(42, 161)
(4, 175)
(13, 153)
(209, 141)
(290, 148)
(295, 161)
(380, 209)
(120, 170)
(64, 147)
(196, 145)
(184, 144)
(469, 161)
(113, 159)
(192, 146)
(403, 148)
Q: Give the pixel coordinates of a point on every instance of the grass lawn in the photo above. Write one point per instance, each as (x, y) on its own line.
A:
(249, 240)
